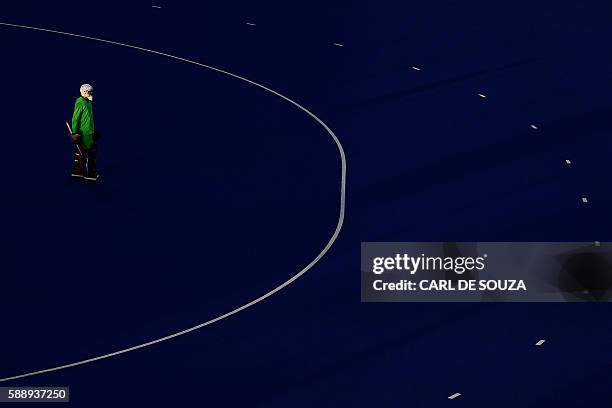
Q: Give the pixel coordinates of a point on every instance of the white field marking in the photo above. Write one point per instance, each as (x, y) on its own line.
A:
(534, 127)
(262, 297)
(568, 161)
(482, 95)
(339, 45)
(250, 24)
(455, 395)
(540, 342)
(584, 200)
(416, 68)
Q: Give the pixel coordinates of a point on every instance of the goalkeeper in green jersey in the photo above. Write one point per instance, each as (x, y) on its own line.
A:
(84, 136)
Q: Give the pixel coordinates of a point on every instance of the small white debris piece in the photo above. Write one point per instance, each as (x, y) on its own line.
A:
(482, 95)
(597, 243)
(455, 395)
(250, 24)
(540, 342)
(568, 161)
(534, 127)
(339, 45)
(157, 7)
(416, 68)
(584, 200)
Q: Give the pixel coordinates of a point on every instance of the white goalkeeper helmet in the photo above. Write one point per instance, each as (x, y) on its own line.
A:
(87, 91)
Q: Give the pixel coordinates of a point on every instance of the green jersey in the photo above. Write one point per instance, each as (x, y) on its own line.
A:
(83, 121)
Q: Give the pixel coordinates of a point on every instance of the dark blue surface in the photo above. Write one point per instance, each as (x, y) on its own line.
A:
(215, 192)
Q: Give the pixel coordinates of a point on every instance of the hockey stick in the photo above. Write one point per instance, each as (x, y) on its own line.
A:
(79, 149)
(77, 145)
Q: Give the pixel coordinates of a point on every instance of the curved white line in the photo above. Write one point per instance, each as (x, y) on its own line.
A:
(254, 301)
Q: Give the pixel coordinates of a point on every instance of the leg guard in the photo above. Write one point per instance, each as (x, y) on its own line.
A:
(77, 163)
(90, 169)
